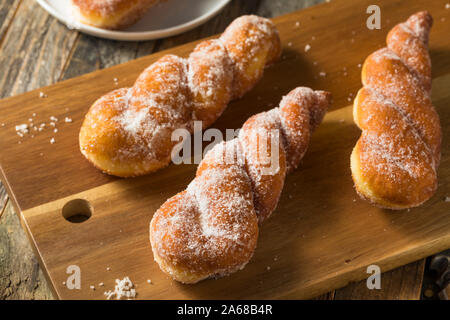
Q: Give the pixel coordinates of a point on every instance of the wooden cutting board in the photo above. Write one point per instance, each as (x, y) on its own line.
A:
(321, 236)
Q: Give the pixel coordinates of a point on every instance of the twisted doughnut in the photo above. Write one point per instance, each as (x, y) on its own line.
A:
(110, 14)
(127, 132)
(395, 160)
(211, 228)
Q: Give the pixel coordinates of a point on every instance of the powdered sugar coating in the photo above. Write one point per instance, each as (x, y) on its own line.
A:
(252, 42)
(211, 228)
(394, 162)
(128, 131)
(110, 14)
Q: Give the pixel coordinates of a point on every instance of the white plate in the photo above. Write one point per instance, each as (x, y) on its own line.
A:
(165, 19)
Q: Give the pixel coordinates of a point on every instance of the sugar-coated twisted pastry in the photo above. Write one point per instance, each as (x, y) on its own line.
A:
(110, 14)
(127, 132)
(211, 228)
(394, 163)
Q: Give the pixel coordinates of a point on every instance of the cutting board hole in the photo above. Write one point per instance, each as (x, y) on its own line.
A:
(77, 211)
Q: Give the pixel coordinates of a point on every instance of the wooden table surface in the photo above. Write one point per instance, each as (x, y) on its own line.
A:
(36, 50)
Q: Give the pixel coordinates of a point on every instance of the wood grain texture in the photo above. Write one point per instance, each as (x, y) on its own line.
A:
(400, 284)
(7, 12)
(291, 58)
(20, 275)
(33, 51)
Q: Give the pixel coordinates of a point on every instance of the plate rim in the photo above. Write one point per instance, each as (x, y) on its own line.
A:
(134, 35)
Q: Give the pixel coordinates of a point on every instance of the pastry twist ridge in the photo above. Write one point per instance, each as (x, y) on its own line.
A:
(211, 228)
(127, 132)
(394, 163)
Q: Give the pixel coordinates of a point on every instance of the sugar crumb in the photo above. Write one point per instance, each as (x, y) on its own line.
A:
(22, 129)
(123, 289)
(307, 48)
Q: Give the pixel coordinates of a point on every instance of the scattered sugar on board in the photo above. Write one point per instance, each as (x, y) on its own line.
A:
(447, 199)
(307, 48)
(23, 129)
(123, 289)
